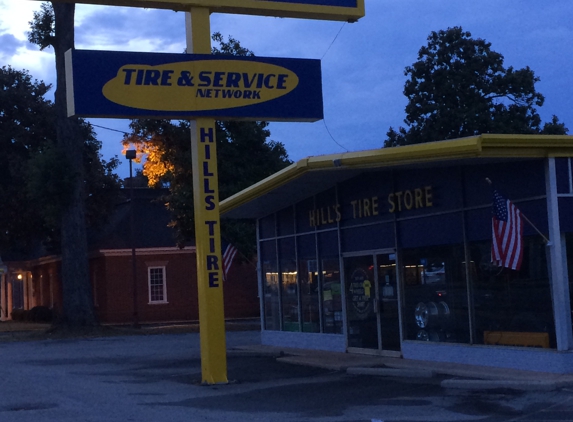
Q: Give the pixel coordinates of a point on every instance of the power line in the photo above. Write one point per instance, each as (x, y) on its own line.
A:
(337, 34)
(324, 120)
(332, 137)
(108, 128)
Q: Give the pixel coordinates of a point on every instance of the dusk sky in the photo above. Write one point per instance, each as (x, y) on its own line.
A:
(362, 63)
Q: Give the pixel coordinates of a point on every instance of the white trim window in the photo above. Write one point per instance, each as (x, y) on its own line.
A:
(157, 285)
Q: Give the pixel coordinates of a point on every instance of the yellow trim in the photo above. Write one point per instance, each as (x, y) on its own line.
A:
(247, 7)
(199, 30)
(484, 146)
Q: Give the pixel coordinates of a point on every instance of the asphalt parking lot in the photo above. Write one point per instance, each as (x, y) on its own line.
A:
(156, 378)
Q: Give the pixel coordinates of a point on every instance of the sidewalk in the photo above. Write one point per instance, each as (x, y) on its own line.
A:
(454, 376)
(457, 376)
(18, 326)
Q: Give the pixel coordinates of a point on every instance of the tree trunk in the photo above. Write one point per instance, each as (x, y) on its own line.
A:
(76, 287)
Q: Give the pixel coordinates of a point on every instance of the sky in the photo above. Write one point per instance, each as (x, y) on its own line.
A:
(362, 63)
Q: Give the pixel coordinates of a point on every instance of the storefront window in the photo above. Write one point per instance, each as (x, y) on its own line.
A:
(512, 308)
(331, 287)
(308, 280)
(270, 285)
(331, 295)
(289, 287)
(435, 294)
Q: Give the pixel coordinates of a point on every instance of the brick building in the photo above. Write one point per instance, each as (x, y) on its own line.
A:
(166, 277)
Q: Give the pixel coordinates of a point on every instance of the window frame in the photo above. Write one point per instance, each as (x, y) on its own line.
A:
(164, 284)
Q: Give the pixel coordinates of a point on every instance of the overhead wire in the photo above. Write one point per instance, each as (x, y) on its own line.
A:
(108, 128)
(324, 119)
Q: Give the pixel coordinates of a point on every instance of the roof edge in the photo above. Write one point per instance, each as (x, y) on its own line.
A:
(485, 145)
(400, 155)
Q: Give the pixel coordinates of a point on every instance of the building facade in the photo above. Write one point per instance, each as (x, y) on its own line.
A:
(390, 252)
(165, 286)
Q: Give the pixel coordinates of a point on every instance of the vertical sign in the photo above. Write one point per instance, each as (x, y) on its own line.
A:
(207, 221)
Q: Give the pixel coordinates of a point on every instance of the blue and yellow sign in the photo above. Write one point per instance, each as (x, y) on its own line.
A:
(183, 86)
(341, 10)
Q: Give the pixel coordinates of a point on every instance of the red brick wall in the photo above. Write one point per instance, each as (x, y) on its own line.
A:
(115, 299)
(240, 291)
(115, 292)
(116, 289)
(112, 287)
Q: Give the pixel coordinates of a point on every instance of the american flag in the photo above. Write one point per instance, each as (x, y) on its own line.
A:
(507, 233)
(228, 256)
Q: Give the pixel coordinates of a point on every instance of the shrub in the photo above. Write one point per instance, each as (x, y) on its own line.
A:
(40, 314)
(19, 315)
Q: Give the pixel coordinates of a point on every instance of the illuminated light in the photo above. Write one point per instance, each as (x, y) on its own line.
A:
(19, 276)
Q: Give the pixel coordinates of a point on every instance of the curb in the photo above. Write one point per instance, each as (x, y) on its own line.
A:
(298, 360)
(465, 384)
(261, 353)
(392, 372)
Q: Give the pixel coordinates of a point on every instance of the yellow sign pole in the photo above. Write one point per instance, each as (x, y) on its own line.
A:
(207, 222)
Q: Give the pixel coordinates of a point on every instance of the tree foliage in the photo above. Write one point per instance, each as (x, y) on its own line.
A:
(37, 181)
(25, 117)
(460, 87)
(43, 27)
(245, 156)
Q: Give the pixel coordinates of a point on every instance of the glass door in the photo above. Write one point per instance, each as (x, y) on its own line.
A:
(361, 302)
(388, 302)
(372, 303)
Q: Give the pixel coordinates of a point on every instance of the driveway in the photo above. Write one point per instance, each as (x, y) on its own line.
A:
(155, 378)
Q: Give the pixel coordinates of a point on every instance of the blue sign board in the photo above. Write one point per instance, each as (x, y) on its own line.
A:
(182, 86)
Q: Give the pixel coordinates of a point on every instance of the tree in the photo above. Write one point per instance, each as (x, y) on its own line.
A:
(245, 156)
(34, 172)
(459, 87)
(50, 182)
(26, 124)
(54, 26)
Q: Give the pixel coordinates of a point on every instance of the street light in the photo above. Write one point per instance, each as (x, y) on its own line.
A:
(130, 154)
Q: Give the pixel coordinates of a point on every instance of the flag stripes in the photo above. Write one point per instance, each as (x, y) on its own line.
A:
(228, 256)
(507, 233)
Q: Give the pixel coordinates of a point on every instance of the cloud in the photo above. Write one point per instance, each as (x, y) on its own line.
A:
(130, 29)
(9, 44)
(363, 67)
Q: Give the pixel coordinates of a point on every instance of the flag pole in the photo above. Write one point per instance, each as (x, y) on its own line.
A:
(487, 179)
